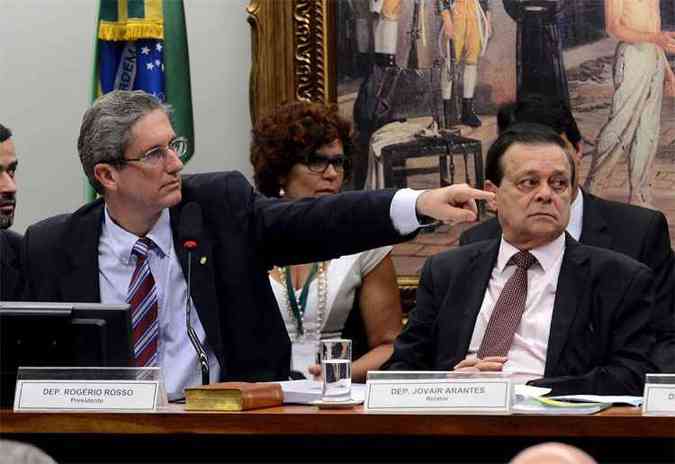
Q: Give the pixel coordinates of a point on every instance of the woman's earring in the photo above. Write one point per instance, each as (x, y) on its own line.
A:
(281, 192)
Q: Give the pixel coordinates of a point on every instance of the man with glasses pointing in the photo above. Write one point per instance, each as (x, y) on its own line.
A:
(124, 246)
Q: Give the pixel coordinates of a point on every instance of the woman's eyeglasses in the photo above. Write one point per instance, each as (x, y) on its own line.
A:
(318, 163)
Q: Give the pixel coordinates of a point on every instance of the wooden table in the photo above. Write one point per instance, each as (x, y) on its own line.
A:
(298, 433)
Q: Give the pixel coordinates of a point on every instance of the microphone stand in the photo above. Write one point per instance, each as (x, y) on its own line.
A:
(201, 353)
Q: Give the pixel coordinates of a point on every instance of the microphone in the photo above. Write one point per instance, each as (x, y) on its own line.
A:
(189, 230)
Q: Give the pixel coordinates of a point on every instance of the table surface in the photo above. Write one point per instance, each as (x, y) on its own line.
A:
(615, 422)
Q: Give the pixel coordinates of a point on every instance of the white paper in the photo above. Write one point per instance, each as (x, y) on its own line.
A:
(309, 391)
(616, 400)
(532, 406)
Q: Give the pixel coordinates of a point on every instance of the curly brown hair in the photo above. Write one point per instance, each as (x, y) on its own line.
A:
(288, 134)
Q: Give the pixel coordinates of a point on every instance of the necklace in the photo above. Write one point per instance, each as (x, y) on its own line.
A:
(295, 305)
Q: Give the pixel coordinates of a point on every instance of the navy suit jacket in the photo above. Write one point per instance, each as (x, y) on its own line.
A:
(640, 233)
(599, 339)
(244, 234)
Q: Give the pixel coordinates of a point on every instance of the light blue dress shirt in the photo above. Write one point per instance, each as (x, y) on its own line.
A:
(177, 357)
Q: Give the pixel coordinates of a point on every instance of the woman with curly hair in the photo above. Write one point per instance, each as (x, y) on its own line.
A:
(303, 150)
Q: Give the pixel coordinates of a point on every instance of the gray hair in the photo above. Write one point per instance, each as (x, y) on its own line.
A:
(106, 128)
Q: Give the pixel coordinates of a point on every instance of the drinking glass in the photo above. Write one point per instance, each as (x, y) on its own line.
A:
(336, 370)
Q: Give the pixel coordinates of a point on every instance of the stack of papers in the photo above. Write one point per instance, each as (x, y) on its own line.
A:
(614, 400)
(309, 392)
(530, 400)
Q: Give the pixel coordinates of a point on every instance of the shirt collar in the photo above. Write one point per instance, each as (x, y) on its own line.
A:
(123, 241)
(546, 255)
(576, 216)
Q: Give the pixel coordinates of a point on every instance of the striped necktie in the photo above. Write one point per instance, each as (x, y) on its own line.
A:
(142, 297)
(509, 308)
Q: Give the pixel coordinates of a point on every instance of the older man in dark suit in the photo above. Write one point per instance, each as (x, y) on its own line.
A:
(638, 232)
(533, 303)
(11, 279)
(126, 246)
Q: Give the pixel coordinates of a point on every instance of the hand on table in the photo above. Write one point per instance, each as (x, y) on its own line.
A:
(487, 364)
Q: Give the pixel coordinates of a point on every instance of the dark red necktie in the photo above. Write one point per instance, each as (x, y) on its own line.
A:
(508, 310)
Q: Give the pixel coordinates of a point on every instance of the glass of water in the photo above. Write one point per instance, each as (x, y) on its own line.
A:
(336, 370)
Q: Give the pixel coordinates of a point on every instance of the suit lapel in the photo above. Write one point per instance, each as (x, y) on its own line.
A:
(594, 229)
(203, 291)
(474, 283)
(572, 284)
(80, 281)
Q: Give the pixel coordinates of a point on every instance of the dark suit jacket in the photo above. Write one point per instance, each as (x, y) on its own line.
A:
(599, 339)
(244, 235)
(11, 275)
(640, 233)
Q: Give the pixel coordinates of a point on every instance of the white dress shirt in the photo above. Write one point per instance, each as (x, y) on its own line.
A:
(576, 216)
(177, 357)
(527, 356)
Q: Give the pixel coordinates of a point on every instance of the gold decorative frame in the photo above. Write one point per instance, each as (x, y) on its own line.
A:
(292, 50)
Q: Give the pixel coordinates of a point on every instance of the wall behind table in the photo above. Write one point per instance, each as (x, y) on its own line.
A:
(46, 56)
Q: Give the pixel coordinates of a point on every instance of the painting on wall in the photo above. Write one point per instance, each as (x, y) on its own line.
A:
(412, 74)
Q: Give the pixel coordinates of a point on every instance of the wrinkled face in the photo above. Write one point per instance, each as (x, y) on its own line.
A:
(533, 200)
(149, 186)
(8, 164)
(306, 180)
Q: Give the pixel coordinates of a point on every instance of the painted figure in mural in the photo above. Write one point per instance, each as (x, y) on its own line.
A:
(363, 35)
(641, 74)
(540, 68)
(377, 26)
(467, 25)
(385, 33)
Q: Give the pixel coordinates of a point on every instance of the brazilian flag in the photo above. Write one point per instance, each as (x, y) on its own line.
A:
(142, 45)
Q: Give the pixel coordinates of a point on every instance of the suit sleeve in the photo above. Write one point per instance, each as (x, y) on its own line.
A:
(658, 255)
(413, 349)
(622, 371)
(12, 281)
(31, 275)
(32, 269)
(316, 229)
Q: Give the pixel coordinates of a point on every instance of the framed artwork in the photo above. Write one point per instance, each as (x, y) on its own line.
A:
(389, 66)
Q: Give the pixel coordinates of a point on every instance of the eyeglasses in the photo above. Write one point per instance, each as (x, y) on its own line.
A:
(157, 155)
(318, 163)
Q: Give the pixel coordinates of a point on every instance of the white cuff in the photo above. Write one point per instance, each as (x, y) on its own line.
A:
(403, 211)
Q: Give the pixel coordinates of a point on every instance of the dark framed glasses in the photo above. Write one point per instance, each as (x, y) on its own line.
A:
(318, 163)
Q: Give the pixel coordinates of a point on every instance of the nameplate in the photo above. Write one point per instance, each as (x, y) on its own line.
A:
(659, 400)
(98, 395)
(441, 396)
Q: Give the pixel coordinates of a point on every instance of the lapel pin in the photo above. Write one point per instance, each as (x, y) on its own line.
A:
(202, 260)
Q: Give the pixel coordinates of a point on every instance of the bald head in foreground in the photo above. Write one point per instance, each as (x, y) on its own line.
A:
(552, 453)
